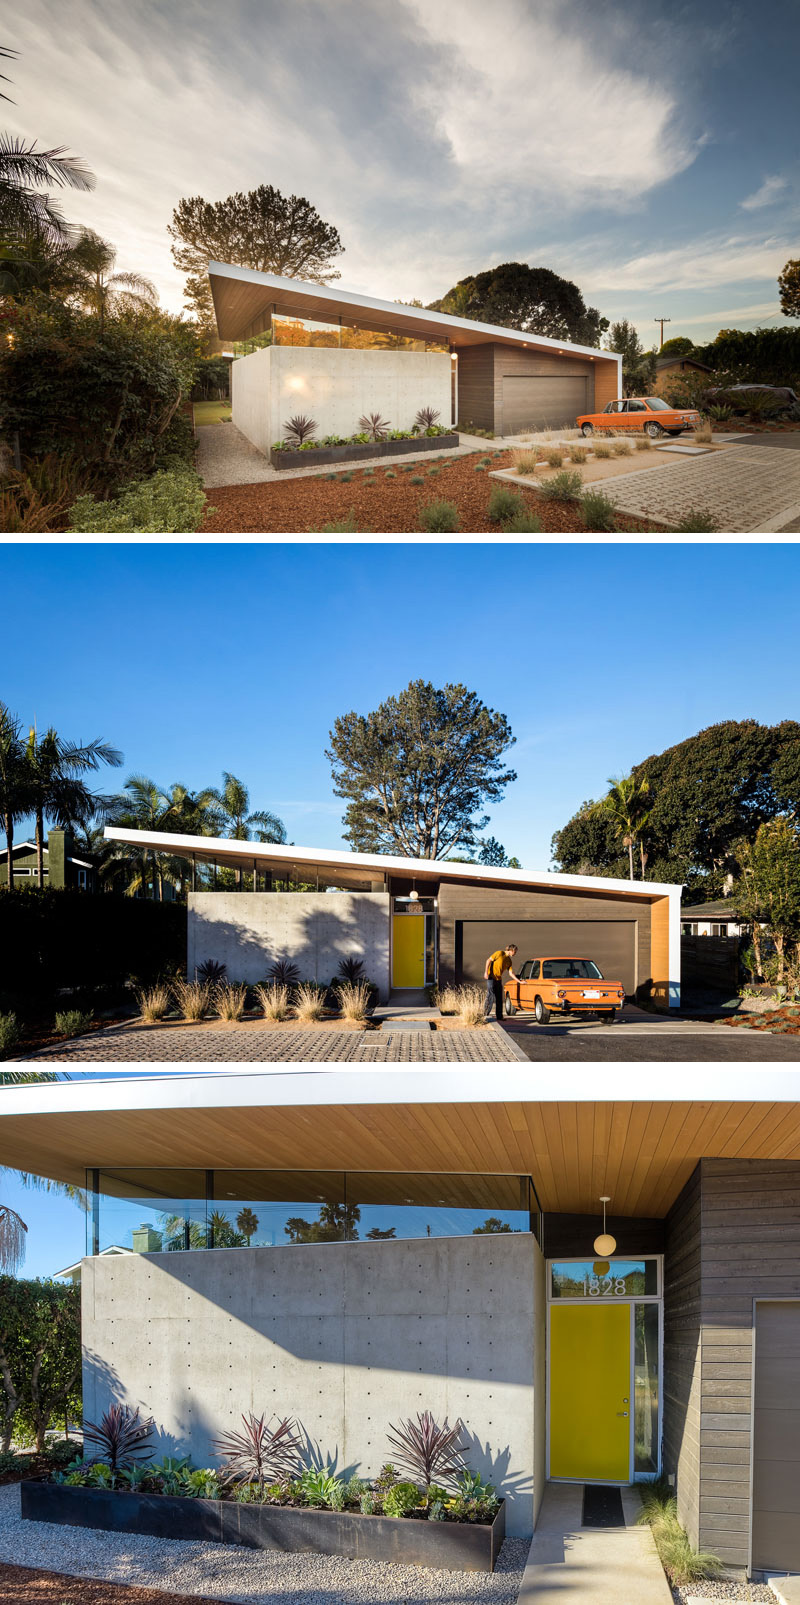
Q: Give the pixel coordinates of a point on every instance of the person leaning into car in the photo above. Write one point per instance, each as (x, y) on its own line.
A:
(496, 966)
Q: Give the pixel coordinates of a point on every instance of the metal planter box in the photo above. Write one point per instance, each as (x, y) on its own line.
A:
(452, 1546)
(350, 454)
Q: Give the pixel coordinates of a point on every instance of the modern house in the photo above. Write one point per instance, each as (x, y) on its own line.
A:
(670, 368)
(335, 355)
(713, 919)
(416, 922)
(351, 1246)
(61, 866)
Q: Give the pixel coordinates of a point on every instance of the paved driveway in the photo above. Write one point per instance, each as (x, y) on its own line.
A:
(747, 489)
(679, 1041)
(250, 1043)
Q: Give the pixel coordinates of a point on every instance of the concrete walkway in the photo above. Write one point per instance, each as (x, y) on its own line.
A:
(225, 457)
(747, 490)
(573, 1565)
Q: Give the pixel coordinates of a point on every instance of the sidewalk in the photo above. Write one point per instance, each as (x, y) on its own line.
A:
(573, 1565)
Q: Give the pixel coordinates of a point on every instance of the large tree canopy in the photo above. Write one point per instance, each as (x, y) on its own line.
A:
(418, 769)
(706, 795)
(261, 229)
(521, 297)
(638, 365)
(789, 288)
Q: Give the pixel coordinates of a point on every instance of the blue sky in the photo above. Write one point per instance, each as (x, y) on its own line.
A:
(197, 658)
(650, 153)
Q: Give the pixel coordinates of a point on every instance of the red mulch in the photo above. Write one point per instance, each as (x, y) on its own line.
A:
(785, 1021)
(26, 1585)
(384, 506)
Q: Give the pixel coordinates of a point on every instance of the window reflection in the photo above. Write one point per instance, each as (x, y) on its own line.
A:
(645, 1388)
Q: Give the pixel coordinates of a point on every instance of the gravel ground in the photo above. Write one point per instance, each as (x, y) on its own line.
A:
(734, 1592)
(247, 1576)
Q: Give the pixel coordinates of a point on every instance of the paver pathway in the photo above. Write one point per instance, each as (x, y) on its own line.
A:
(251, 1044)
(591, 1565)
(746, 490)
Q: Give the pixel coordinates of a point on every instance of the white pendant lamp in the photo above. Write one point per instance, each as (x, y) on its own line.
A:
(605, 1243)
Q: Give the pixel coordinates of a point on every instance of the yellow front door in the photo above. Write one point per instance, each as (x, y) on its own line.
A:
(590, 1386)
(408, 950)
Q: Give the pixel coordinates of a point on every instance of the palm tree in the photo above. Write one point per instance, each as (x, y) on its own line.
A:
(12, 1239)
(247, 1223)
(98, 288)
(53, 770)
(144, 805)
(14, 796)
(234, 805)
(24, 171)
(626, 806)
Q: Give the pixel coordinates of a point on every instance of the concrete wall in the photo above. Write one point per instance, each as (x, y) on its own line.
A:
(247, 930)
(335, 387)
(345, 1337)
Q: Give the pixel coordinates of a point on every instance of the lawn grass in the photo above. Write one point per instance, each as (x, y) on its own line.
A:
(211, 412)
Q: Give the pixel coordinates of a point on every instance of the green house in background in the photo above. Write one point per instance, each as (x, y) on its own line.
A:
(61, 867)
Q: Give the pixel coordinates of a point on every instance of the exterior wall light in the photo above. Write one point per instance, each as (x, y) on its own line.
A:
(413, 896)
(605, 1244)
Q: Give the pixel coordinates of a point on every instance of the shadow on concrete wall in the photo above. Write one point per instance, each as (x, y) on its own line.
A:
(320, 938)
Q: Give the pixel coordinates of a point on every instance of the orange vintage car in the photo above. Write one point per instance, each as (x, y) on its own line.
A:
(637, 413)
(563, 986)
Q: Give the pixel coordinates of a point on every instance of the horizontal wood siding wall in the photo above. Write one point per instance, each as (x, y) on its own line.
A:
(502, 903)
(750, 1224)
(476, 386)
(606, 385)
(659, 976)
(536, 364)
(682, 1352)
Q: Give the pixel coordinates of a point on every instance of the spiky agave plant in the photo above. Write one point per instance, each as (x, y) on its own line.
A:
(374, 425)
(431, 1451)
(261, 1453)
(121, 1435)
(426, 417)
(300, 428)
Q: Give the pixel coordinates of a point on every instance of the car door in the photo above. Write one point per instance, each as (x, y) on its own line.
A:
(529, 983)
(637, 414)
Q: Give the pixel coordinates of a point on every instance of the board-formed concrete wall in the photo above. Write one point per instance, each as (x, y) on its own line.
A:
(336, 388)
(345, 1337)
(247, 930)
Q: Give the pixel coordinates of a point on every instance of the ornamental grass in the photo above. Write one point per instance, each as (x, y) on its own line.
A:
(309, 1001)
(230, 1000)
(354, 999)
(273, 1000)
(154, 1003)
(193, 998)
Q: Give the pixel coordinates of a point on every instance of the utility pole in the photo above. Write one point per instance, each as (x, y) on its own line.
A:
(662, 321)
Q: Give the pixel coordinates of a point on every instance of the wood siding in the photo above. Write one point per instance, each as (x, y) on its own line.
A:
(482, 369)
(659, 976)
(749, 1248)
(605, 385)
(459, 903)
(682, 1355)
(476, 386)
(516, 361)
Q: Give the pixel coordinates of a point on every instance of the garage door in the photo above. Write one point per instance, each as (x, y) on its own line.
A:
(541, 403)
(776, 1438)
(611, 943)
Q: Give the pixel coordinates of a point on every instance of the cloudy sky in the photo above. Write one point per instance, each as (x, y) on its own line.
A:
(650, 153)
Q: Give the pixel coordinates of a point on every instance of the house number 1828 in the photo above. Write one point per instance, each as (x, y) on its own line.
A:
(604, 1286)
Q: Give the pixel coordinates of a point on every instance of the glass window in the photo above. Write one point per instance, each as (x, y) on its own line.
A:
(150, 1211)
(604, 1279)
(535, 970)
(570, 970)
(388, 1205)
(636, 406)
(656, 404)
(645, 1388)
(265, 1209)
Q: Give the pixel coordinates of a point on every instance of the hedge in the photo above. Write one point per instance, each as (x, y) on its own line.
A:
(59, 938)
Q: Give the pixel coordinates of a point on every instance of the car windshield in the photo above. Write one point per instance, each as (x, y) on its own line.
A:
(570, 970)
(657, 404)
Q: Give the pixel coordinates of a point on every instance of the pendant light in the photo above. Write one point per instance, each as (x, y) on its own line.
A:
(605, 1243)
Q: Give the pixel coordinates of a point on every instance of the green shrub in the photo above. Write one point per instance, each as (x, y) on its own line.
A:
(598, 511)
(390, 474)
(18, 1463)
(401, 1498)
(171, 502)
(504, 504)
(552, 456)
(59, 938)
(523, 523)
(9, 1034)
(480, 468)
(416, 479)
(563, 487)
(432, 471)
(439, 517)
(72, 1022)
(696, 523)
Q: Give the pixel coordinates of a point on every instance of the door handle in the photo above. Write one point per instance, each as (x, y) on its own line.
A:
(622, 1413)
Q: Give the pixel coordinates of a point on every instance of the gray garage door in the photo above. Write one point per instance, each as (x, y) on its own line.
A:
(776, 1438)
(541, 403)
(611, 943)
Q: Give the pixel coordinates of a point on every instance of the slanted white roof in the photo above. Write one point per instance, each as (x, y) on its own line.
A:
(244, 854)
(244, 299)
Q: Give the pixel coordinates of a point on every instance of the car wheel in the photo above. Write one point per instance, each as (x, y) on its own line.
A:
(587, 429)
(653, 430)
(542, 1014)
(509, 1007)
(609, 1016)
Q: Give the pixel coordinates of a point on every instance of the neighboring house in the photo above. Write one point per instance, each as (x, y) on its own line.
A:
(427, 1241)
(671, 368)
(713, 919)
(416, 922)
(61, 866)
(499, 379)
(72, 1273)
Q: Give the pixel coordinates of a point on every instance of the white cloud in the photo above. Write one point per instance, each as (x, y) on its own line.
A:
(766, 194)
(700, 264)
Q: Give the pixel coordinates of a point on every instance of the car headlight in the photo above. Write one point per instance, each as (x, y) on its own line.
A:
(561, 994)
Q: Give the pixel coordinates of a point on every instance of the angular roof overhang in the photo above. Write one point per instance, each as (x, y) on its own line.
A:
(576, 1144)
(360, 866)
(245, 299)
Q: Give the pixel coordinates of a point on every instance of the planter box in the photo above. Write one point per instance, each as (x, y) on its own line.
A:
(450, 1545)
(351, 454)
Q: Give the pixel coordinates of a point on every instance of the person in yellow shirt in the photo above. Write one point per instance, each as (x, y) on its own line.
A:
(496, 966)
